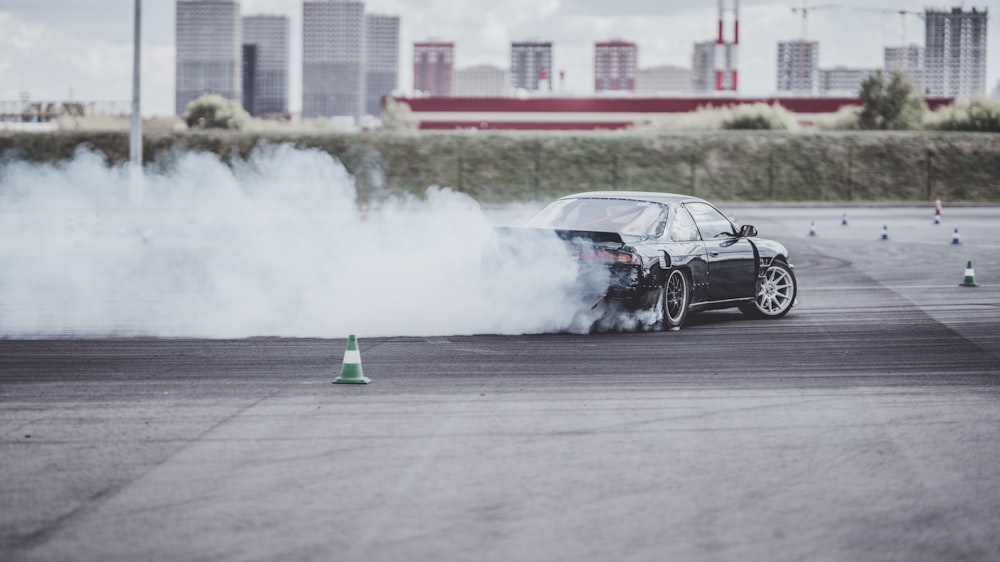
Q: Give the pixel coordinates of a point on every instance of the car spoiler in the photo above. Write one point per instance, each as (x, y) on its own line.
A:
(596, 236)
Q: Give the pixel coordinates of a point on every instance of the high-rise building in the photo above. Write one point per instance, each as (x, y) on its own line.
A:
(703, 67)
(531, 65)
(908, 61)
(381, 60)
(265, 64)
(333, 58)
(249, 77)
(797, 66)
(955, 52)
(842, 80)
(663, 79)
(480, 81)
(616, 64)
(209, 51)
(434, 67)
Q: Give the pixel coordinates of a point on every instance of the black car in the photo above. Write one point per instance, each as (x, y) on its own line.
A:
(672, 254)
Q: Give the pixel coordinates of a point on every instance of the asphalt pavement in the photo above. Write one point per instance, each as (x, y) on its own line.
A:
(863, 426)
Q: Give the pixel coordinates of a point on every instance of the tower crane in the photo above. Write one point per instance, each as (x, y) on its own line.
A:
(805, 9)
(902, 18)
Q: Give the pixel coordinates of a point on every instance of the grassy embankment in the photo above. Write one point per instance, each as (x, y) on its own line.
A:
(723, 166)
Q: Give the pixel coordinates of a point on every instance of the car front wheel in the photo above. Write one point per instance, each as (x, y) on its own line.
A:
(777, 292)
(676, 297)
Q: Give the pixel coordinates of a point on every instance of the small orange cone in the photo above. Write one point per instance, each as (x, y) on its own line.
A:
(351, 372)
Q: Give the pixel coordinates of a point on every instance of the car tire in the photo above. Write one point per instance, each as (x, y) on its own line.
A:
(777, 292)
(676, 299)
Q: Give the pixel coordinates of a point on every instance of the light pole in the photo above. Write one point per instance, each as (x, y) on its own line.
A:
(135, 138)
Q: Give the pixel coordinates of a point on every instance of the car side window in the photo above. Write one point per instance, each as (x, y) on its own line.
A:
(711, 223)
(682, 227)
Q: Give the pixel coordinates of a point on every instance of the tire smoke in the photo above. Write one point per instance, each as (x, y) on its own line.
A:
(274, 245)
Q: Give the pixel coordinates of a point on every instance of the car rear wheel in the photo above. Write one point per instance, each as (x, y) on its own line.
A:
(777, 292)
(676, 297)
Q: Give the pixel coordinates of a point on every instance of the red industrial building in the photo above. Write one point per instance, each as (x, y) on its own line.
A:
(595, 113)
(616, 64)
(434, 68)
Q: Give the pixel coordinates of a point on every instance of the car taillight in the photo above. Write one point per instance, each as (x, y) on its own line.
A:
(610, 256)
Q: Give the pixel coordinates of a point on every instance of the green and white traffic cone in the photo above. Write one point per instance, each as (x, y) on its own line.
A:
(351, 372)
(970, 277)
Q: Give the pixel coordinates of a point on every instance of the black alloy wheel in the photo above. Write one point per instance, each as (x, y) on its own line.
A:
(676, 297)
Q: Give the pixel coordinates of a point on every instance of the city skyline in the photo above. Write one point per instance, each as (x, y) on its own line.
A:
(54, 49)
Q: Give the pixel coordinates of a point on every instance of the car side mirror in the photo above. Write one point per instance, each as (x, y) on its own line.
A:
(748, 231)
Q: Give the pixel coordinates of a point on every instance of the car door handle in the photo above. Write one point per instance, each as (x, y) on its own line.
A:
(714, 254)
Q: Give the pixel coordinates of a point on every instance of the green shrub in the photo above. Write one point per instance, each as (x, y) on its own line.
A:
(744, 116)
(891, 106)
(981, 114)
(213, 111)
(758, 116)
(845, 119)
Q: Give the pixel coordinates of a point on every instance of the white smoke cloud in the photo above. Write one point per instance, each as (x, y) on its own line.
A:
(271, 246)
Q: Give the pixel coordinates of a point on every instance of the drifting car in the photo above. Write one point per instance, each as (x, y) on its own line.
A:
(672, 254)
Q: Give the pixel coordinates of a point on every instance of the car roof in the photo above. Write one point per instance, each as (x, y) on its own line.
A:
(650, 196)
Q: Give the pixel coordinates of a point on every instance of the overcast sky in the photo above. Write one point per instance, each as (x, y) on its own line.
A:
(54, 49)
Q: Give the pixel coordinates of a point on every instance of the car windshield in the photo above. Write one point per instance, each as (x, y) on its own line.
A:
(636, 218)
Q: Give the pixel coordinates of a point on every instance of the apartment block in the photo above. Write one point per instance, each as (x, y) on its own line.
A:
(333, 59)
(531, 65)
(908, 61)
(434, 67)
(265, 64)
(616, 65)
(843, 81)
(703, 67)
(209, 51)
(381, 60)
(955, 52)
(797, 65)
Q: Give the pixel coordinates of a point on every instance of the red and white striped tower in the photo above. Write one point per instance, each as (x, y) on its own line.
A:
(726, 73)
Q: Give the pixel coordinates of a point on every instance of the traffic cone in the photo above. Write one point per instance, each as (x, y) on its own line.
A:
(885, 232)
(351, 372)
(812, 228)
(970, 277)
(955, 239)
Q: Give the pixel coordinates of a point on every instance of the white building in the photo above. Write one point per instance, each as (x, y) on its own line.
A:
(531, 65)
(616, 64)
(664, 79)
(265, 64)
(482, 81)
(382, 59)
(909, 61)
(209, 52)
(843, 81)
(703, 67)
(333, 59)
(797, 66)
(955, 52)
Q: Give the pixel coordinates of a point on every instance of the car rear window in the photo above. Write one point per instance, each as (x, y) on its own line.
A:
(637, 218)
